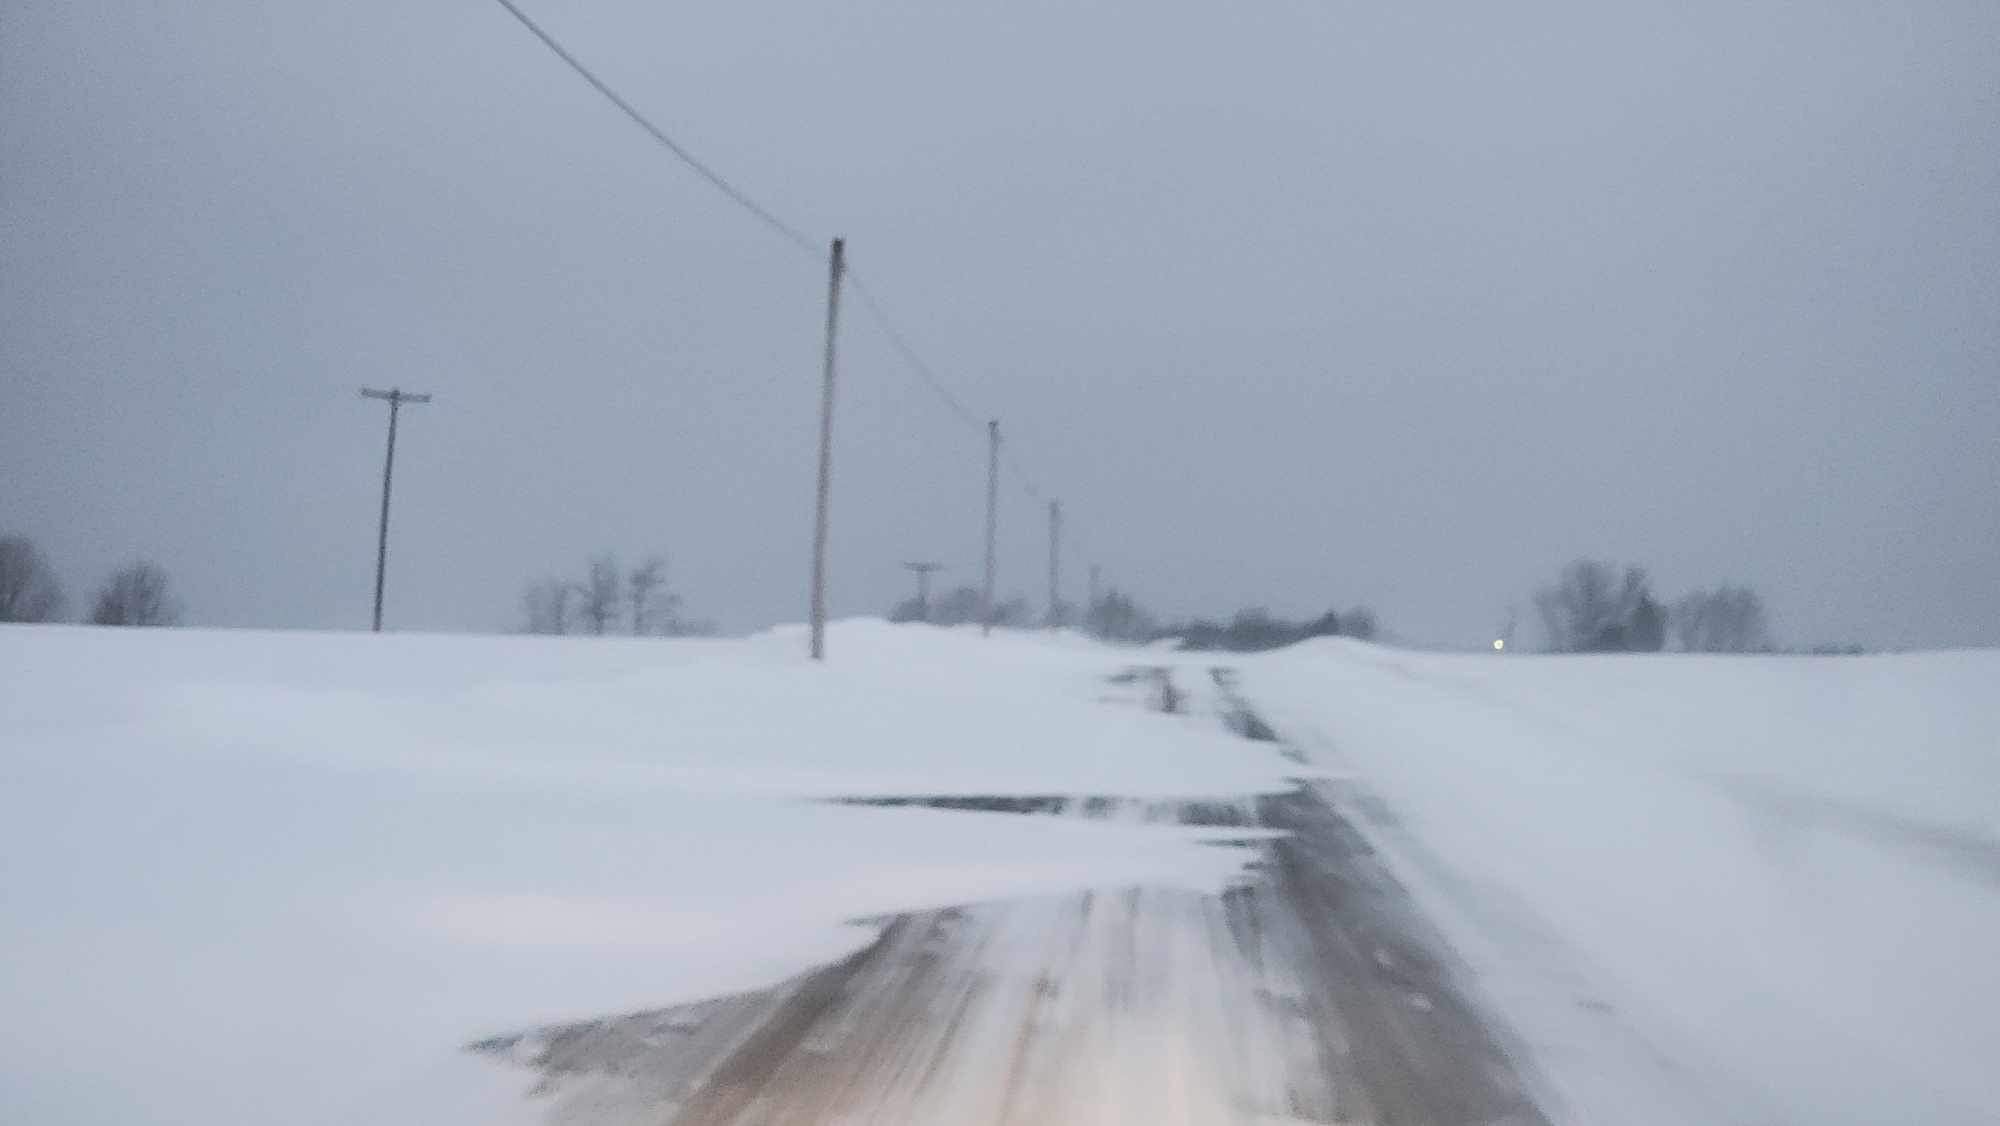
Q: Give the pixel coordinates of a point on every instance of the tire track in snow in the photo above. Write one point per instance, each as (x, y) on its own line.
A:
(1313, 992)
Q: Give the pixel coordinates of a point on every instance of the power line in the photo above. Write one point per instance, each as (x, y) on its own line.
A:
(742, 198)
(927, 374)
(897, 339)
(798, 238)
(1021, 476)
(915, 362)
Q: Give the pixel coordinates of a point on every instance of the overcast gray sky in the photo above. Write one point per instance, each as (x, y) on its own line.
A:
(1295, 303)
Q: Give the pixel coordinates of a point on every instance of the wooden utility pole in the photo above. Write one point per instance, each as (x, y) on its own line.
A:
(923, 572)
(1095, 571)
(395, 397)
(1055, 564)
(835, 267)
(992, 522)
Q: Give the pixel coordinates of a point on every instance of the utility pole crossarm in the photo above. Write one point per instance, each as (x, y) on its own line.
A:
(395, 395)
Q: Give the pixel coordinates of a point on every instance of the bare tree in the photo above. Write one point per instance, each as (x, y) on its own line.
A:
(599, 594)
(1727, 619)
(677, 626)
(647, 594)
(136, 595)
(1590, 609)
(1359, 623)
(957, 606)
(29, 591)
(961, 605)
(546, 602)
(1579, 606)
(1013, 612)
(607, 597)
(1115, 616)
(1060, 614)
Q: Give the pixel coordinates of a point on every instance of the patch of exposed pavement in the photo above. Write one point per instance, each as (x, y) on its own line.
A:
(1313, 991)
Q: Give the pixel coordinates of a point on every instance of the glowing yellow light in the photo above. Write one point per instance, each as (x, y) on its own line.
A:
(1499, 644)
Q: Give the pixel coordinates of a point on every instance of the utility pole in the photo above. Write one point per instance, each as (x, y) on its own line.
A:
(1055, 564)
(395, 397)
(923, 573)
(835, 266)
(1095, 571)
(992, 522)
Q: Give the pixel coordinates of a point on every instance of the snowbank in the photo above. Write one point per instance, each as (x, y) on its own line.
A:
(1705, 889)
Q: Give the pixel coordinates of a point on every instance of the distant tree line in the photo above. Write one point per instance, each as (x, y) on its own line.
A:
(608, 600)
(1116, 616)
(1591, 607)
(136, 594)
(959, 606)
(1596, 607)
(1254, 629)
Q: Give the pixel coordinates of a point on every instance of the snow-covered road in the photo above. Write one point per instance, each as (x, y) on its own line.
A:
(1310, 990)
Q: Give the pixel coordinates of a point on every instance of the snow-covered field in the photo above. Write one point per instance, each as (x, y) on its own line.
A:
(265, 877)
(1702, 889)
